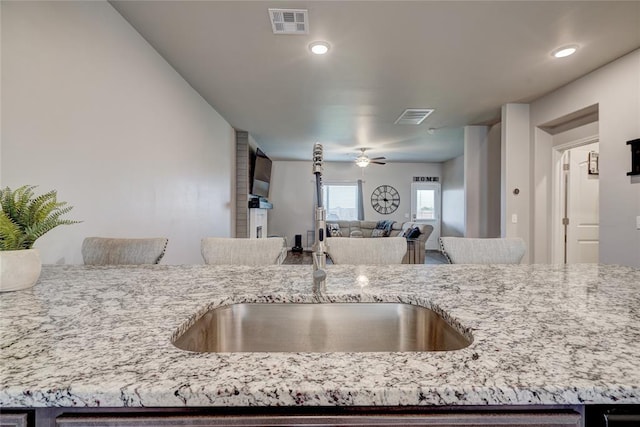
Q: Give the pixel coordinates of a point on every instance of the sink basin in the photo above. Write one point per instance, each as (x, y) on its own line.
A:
(334, 327)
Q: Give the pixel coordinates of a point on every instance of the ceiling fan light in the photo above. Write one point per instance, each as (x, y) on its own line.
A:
(362, 162)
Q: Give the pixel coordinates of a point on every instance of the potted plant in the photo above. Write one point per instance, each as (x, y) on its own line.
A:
(25, 218)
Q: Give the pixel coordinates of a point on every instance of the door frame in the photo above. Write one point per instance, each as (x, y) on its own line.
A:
(557, 199)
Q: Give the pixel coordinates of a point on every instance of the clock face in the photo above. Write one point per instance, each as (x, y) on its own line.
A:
(385, 199)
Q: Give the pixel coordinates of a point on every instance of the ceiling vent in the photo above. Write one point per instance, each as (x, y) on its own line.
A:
(289, 21)
(413, 116)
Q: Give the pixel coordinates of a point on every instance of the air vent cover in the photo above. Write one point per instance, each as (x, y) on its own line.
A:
(289, 21)
(413, 116)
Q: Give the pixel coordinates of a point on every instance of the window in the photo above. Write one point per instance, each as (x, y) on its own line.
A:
(426, 204)
(340, 201)
(425, 201)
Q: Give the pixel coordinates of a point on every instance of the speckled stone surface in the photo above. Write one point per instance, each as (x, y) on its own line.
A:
(101, 336)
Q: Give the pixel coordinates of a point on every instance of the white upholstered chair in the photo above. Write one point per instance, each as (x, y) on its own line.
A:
(465, 250)
(371, 251)
(118, 251)
(227, 250)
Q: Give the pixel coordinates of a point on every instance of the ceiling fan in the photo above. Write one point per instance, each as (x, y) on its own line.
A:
(363, 160)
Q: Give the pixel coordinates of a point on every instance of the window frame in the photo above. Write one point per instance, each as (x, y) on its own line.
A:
(325, 198)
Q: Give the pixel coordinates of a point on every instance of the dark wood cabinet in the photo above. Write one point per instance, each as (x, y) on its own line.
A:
(458, 416)
(570, 419)
(15, 419)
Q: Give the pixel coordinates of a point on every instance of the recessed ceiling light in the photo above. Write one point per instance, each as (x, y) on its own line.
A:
(319, 48)
(564, 51)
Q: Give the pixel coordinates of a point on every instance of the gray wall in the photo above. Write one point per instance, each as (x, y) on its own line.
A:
(515, 214)
(490, 188)
(293, 186)
(471, 186)
(615, 88)
(91, 110)
(453, 197)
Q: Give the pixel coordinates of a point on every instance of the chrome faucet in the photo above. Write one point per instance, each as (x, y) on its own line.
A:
(319, 281)
(319, 247)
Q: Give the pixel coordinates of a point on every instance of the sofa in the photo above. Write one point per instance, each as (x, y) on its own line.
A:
(365, 229)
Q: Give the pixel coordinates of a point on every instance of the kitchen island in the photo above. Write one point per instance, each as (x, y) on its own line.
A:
(543, 335)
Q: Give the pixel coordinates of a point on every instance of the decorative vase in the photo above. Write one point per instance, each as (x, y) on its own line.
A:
(19, 269)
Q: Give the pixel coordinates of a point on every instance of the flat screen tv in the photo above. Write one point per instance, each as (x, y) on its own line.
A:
(260, 174)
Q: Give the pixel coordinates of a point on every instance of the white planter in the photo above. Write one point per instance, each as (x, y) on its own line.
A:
(19, 269)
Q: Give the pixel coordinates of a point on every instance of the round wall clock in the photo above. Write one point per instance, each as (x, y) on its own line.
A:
(385, 199)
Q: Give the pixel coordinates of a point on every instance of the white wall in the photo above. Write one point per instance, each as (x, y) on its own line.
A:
(616, 89)
(587, 131)
(515, 171)
(292, 191)
(90, 109)
(292, 194)
(453, 198)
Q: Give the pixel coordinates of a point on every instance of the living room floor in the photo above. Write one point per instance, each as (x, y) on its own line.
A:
(432, 257)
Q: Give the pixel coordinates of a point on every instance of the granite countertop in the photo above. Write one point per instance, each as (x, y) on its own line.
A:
(542, 334)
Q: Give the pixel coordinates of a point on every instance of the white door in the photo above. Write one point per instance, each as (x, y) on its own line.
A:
(582, 230)
(426, 208)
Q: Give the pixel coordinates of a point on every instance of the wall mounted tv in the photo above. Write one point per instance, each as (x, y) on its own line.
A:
(260, 174)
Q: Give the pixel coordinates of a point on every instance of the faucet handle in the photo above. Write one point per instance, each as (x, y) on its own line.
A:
(319, 275)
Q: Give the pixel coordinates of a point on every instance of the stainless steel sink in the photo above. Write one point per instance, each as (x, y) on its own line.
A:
(335, 327)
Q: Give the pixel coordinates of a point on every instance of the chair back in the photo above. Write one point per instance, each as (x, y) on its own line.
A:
(232, 251)
(117, 251)
(465, 250)
(367, 251)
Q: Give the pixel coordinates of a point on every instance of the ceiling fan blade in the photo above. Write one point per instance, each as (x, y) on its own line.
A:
(377, 158)
(378, 163)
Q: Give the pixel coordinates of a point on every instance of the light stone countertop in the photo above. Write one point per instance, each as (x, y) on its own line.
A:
(101, 336)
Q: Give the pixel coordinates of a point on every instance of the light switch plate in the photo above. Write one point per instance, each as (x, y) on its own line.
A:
(514, 218)
(638, 222)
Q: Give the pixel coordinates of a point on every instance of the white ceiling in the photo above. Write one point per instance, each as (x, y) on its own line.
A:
(465, 59)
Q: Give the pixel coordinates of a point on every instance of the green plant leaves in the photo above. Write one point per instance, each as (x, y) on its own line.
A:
(25, 217)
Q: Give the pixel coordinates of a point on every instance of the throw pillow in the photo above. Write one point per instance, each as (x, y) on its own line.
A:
(379, 233)
(413, 233)
(333, 230)
(385, 224)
